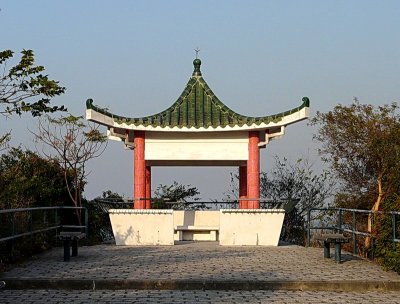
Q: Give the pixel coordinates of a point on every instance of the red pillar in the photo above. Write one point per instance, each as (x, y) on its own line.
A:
(242, 187)
(253, 171)
(148, 187)
(140, 170)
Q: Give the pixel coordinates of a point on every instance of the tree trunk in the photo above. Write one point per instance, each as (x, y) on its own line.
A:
(375, 207)
(74, 197)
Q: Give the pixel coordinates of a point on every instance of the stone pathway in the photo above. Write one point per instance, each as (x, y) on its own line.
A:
(197, 296)
(199, 261)
(199, 272)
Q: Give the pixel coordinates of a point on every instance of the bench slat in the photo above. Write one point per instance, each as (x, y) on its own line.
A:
(332, 238)
(65, 236)
(337, 239)
(196, 228)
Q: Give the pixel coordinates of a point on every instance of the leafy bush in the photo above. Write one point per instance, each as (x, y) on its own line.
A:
(99, 221)
(385, 250)
(178, 194)
(28, 180)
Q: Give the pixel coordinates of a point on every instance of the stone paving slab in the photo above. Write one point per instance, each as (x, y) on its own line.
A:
(197, 296)
(205, 260)
(173, 284)
(201, 265)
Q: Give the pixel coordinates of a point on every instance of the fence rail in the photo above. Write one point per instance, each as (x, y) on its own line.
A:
(106, 204)
(56, 224)
(342, 223)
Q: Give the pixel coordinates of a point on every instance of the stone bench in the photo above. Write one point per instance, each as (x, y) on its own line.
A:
(211, 230)
(68, 238)
(334, 238)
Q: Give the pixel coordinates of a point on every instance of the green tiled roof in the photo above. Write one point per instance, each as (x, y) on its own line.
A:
(196, 107)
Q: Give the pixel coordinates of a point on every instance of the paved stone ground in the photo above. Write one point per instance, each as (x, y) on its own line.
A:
(207, 296)
(198, 261)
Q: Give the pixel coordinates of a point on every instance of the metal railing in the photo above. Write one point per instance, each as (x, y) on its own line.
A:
(348, 220)
(106, 204)
(48, 222)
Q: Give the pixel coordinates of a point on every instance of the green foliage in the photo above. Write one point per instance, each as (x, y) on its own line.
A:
(287, 181)
(389, 258)
(99, 221)
(176, 193)
(296, 181)
(385, 251)
(362, 145)
(4, 140)
(28, 180)
(110, 195)
(24, 87)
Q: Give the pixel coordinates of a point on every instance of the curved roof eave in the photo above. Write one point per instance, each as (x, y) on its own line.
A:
(197, 109)
(290, 117)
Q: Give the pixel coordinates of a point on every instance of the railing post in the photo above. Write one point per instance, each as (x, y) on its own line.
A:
(308, 227)
(57, 223)
(353, 228)
(86, 221)
(372, 235)
(394, 228)
(340, 220)
(13, 234)
(30, 220)
(30, 216)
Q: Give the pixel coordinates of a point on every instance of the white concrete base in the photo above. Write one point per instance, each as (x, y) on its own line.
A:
(196, 225)
(250, 226)
(142, 227)
(230, 226)
(196, 233)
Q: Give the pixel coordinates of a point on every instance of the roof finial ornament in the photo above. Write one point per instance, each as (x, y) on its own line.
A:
(197, 50)
(197, 63)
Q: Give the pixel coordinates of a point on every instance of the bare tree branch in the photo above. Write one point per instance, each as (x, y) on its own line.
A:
(72, 143)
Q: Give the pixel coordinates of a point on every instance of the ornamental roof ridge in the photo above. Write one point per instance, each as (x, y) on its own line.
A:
(197, 107)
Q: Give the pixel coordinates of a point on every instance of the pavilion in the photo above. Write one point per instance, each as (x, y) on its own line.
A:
(197, 130)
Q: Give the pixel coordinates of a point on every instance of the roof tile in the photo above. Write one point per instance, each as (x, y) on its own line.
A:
(196, 107)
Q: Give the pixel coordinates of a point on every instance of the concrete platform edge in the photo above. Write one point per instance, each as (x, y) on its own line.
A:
(130, 284)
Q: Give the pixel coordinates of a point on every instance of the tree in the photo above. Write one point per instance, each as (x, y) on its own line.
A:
(28, 180)
(175, 193)
(362, 145)
(73, 143)
(4, 140)
(296, 182)
(23, 87)
(292, 182)
(99, 224)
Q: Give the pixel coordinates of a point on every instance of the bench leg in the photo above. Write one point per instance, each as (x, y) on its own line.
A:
(180, 235)
(74, 248)
(338, 252)
(327, 250)
(213, 235)
(66, 250)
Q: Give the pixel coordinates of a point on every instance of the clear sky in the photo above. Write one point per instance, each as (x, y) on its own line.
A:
(259, 58)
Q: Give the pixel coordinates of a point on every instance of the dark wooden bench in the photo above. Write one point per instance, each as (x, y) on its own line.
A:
(334, 238)
(69, 238)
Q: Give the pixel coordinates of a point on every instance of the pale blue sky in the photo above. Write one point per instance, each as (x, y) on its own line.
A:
(259, 57)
